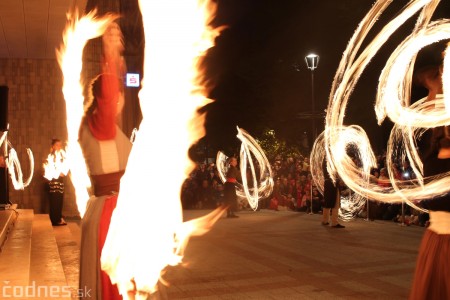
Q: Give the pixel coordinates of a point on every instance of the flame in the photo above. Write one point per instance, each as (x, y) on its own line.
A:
(392, 101)
(13, 165)
(147, 232)
(56, 164)
(77, 33)
(3, 137)
(263, 185)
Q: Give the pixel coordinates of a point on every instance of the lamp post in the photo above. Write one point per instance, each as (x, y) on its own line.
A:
(312, 61)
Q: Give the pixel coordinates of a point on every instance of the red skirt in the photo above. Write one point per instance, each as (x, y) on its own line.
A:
(109, 291)
(432, 274)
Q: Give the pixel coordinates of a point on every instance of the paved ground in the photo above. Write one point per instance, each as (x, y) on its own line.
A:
(288, 255)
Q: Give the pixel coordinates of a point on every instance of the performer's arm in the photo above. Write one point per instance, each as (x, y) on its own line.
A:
(103, 121)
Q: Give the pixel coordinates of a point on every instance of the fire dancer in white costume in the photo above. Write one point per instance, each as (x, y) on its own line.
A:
(106, 150)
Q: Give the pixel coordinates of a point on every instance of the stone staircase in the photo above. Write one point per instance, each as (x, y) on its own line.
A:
(39, 261)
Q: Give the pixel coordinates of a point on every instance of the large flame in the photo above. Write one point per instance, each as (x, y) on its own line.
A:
(77, 33)
(392, 101)
(55, 165)
(147, 232)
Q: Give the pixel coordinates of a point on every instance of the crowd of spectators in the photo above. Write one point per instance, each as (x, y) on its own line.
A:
(292, 187)
(404, 174)
(293, 190)
(203, 189)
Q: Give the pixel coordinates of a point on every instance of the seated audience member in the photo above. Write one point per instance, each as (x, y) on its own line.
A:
(317, 201)
(218, 195)
(188, 193)
(204, 196)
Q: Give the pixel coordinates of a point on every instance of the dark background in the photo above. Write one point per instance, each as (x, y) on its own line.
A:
(261, 77)
(257, 67)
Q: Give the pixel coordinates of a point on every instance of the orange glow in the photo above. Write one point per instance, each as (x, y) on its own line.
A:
(147, 232)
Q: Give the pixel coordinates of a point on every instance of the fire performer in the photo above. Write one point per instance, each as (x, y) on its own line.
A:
(230, 197)
(432, 274)
(106, 150)
(55, 170)
(332, 200)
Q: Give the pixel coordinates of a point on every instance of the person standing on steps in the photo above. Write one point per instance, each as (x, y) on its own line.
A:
(55, 170)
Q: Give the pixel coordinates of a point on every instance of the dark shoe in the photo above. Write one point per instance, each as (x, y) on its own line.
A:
(325, 223)
(338, 226)
(60, 224)
(233, 216)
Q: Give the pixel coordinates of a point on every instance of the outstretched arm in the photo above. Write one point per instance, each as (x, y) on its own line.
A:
(107, 91)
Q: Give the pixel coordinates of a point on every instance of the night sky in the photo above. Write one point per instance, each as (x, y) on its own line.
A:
(252, 66)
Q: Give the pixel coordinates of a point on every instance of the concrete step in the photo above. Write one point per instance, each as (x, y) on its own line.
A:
(68, 241)
(38, 260)
(15, 255)
(8, 216)
(46, 270)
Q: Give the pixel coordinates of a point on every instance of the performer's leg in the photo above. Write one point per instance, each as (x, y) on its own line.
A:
(58, 207)
(53, 199)
(335, 213)
(334, 216)
(325, 215)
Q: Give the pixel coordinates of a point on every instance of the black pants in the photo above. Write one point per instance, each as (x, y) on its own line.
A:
(55, 197)
(56, 204)
(230, 197)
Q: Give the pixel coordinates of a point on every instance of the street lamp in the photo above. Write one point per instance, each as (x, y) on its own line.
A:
(312, 61)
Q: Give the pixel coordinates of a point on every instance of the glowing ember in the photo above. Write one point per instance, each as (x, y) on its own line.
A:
(147, 232)
(392, 101)
(77, 33)
(262, 186)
